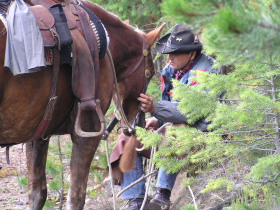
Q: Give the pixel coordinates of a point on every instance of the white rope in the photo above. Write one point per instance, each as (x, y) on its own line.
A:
(151, 168)
(136, 182)
(195, 205)
(110, 173)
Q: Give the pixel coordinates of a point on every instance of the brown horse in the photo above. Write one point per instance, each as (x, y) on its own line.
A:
(23, 100)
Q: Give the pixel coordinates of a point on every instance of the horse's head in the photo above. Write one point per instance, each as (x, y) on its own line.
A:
(135, 69)
(131, 53)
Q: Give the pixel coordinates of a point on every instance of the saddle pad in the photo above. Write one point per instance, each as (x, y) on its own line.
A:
(99, 30)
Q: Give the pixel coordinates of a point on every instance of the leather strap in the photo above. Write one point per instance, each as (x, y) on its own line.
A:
(91, 40)
(44, 124)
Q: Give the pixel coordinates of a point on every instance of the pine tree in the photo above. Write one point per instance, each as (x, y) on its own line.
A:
(243, 35)
(138, 12)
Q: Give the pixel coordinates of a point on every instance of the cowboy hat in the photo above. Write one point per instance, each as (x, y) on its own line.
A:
(180, 40)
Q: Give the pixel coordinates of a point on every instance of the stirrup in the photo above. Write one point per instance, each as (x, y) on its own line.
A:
(101, 117)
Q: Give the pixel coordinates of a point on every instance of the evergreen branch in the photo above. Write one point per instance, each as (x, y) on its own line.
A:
(243, 127)
(136, 182)
(271, 114)
(269, 26)
(248, 85)
(261, 149)
(245, 140)
(271, 180)
(248, 131)
(270, 91)
(274, 96)
(261, 144)
(215, 4)
(272, 65)
(192, 14)
(226, 201)
(230, 100)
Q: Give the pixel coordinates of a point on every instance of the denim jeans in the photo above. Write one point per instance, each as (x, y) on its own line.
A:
(164, 180)
(138, 190)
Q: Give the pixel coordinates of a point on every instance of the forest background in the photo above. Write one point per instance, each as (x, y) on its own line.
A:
(244, 136)
(241, 152)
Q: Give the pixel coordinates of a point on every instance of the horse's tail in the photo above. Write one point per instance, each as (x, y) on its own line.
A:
(128, 157)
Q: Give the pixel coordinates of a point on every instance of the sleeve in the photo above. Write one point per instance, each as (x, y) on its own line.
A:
(167, 111)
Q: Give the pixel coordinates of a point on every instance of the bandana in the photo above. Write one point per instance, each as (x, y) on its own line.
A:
(179, 74)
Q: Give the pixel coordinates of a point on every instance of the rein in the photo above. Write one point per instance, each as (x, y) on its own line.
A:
(129, 129)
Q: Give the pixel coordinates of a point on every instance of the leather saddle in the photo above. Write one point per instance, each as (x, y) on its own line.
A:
(46, 22)
(85, 69)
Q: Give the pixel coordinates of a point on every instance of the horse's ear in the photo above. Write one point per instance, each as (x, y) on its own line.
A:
(127, 22)
(153, 35)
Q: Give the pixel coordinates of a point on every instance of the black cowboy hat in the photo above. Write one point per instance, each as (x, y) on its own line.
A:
(180, 40)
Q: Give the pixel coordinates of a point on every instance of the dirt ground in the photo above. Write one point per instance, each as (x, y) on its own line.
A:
(14, 196)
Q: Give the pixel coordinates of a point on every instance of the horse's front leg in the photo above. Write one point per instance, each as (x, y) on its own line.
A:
(36, 156)
(82, 153)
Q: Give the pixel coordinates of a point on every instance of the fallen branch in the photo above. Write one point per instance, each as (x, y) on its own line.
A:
(226, 201)
(137, 181)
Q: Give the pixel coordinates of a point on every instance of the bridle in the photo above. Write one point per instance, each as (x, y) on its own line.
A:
(129, 129)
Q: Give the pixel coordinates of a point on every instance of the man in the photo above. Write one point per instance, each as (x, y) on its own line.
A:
(184, 54)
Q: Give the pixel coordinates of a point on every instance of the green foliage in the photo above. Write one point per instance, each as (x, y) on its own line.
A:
(218, 184)
(139, 12)
(55, 184)
(154, 88)
(189, 207)
(266, 170)
(49, 205)
(23, 181)
(53, 167)
(245, 118)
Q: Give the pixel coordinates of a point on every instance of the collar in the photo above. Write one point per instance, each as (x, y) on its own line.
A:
(179, 74)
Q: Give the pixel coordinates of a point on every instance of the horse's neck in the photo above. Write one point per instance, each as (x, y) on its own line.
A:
(125, 43)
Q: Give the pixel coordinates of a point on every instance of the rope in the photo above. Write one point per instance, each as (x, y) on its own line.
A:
(151, 168)
(110, 173)
(119, 105)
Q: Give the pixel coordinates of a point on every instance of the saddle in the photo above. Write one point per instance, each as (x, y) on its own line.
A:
(67, 24)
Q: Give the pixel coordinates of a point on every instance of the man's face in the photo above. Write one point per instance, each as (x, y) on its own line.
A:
(179, 61)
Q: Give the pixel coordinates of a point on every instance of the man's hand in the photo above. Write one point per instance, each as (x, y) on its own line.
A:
(151, 123)
(147, 103)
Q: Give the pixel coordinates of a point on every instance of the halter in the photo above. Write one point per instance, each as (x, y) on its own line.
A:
(145, 53)
(129, 129)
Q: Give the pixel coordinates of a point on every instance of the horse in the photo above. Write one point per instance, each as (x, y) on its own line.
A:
(23, 101)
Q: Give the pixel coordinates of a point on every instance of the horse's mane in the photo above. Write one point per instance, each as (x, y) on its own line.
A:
(114, 19)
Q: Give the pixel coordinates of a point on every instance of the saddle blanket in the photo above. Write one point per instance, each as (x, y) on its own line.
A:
(24, 46)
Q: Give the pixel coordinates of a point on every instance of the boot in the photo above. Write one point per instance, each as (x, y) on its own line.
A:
(161, 201)
(136, 203)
